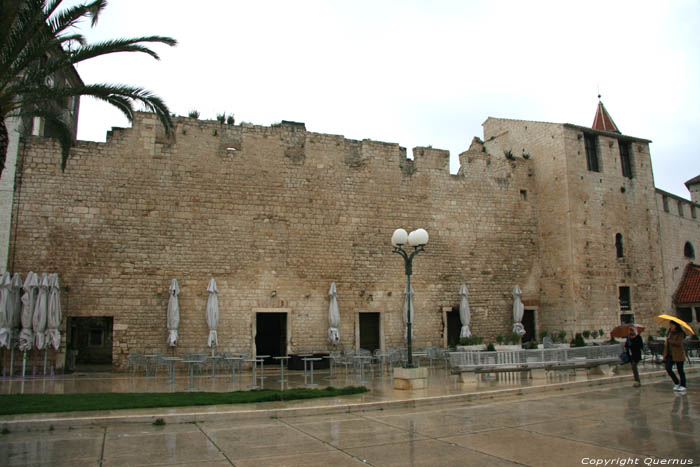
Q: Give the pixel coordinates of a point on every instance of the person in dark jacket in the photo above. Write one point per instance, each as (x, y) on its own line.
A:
(674, 353)
(634, 346)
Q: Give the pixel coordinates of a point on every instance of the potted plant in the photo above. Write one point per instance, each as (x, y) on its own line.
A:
(471, 343)
(511, 342)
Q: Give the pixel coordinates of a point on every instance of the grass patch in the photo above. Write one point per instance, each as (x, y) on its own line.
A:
(12, 404)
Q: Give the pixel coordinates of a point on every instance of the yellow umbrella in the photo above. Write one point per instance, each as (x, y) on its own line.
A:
(664, 319)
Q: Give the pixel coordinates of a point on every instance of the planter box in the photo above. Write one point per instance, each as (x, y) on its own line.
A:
(471, 348)
(508, 346)
(410, 378)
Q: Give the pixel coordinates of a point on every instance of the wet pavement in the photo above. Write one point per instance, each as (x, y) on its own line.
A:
(566, 419)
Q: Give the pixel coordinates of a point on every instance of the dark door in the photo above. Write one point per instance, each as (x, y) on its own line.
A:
(89, 343)
(369, 331)
(271, 335)
(454, 327)
(529, 325)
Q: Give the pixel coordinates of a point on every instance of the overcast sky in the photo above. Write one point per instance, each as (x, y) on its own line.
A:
(418, 73)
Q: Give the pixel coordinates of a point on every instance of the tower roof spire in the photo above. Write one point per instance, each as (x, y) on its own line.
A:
(602, 120)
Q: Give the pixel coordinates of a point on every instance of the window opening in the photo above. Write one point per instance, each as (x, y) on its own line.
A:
(686, 314)
(625, 158)
(589, 142)
(688, 250)
(618, 245)
(624, 294)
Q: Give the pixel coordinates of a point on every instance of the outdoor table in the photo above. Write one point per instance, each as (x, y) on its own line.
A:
(214, 359)
(282, 360)
(172, 362)
(261, 359)
(330, 363)
(311, 360)
(363, 359)
(233, 366)
(191, 364)
(303, 357)
(253, 364)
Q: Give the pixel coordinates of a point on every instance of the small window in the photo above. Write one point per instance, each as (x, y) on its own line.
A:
(693, 212)
(96, 337)
(618, 245)
(625, 161)
(689, 251)
(665, 202)
(590, 143)
(523, 195)
(624, 294)
(680, 208)
(686, 314)
(626, 318)
(697, 314)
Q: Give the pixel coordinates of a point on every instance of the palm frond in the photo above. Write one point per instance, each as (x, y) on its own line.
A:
(68, 18)
(119, 45)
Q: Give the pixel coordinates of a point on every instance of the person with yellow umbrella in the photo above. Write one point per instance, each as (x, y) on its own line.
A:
(673, 349)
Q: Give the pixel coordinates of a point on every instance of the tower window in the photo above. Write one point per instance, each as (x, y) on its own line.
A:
(590, 143)
(688, 250)
(618, 245)
(624, 296)
(680, 208)
(625, 160)
(665, 202)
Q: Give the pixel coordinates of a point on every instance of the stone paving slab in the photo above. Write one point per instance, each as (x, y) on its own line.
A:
(576, 423)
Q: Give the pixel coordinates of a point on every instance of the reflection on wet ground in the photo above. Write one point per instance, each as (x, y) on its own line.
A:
(568, 419)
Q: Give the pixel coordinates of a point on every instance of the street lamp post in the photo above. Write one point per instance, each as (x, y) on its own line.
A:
(417, 239)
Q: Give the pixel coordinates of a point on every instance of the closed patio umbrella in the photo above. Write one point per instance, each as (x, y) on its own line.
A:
(408, 308)
(173, 313)
(5, 319)
(518, 312)
(40, 313)
(41, 309)
(16, 304)
(53, 320)
(464, 312)
(26, 336)
(5, 316)
(212, 314)
(333, 317)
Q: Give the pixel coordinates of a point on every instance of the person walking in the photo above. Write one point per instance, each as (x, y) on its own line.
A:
(674, 353)
(634, 346)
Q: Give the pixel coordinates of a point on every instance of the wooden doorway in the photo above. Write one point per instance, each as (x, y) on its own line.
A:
(271, 335)
(530, 326)
(369, 331)
(454, 327)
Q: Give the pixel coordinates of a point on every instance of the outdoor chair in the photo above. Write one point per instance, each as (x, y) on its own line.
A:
(160, 363)
(692, 350)
(347, 360)
(136, 361)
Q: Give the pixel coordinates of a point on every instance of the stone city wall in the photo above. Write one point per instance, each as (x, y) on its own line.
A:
(274, 214)
(579, 214)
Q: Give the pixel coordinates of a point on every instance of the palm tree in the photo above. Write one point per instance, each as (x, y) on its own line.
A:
(38, 43)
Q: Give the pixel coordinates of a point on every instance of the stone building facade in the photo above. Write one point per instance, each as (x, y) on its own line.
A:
(275, 214)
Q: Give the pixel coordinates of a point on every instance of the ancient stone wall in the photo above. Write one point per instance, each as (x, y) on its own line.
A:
(679, 224)
(579, 214)
(274, 214)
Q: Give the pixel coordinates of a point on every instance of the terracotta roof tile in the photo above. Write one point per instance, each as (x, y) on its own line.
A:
(603, 121)
(689, 289)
